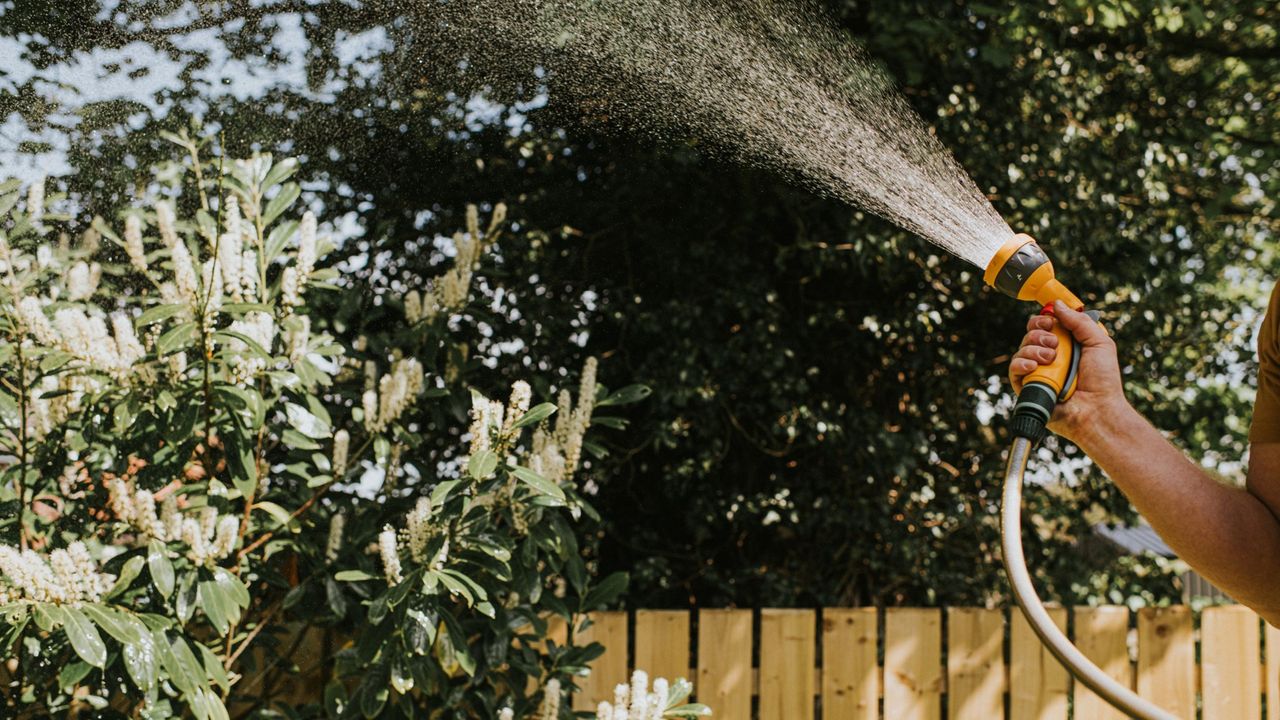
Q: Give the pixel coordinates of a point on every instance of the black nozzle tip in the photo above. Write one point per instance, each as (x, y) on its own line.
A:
(1032, 412)
(1029, 427)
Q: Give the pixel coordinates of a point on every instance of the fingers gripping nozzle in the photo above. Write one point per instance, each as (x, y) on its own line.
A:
(1048, 384)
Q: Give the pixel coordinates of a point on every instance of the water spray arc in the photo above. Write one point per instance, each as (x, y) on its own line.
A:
(1021, 270)
(768, 83)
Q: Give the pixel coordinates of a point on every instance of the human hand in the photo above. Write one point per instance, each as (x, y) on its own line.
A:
(1099, 389)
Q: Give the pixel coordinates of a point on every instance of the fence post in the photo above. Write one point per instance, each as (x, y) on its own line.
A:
(1230, 664)
(609, 628)
(912, 663)
(724, 663)
(1167, 659)
(975, 663)
(850, 674)
(662, 643)
(1102, 635)
(1038, 684)
(788, 651)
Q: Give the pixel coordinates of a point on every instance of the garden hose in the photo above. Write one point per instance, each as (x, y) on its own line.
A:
(1022, 270)
(1024, 593)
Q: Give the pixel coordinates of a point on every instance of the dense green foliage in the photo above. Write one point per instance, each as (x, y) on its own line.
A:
(814, 434)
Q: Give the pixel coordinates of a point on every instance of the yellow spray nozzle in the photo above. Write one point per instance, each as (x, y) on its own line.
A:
(1020, 269)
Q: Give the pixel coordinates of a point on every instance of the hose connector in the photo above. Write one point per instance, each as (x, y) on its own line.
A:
(1032, 412)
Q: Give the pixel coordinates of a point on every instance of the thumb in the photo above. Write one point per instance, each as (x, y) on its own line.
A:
(1082, 327)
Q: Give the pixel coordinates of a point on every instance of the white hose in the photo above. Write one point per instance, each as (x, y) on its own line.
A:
(1015, 564)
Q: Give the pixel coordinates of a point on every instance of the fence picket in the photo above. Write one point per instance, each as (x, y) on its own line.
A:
(1231, 675)
(1167, 659)
(1101, 634)
(912, 663)
(1038, 684)
(662, 643)
(724, 663)
(850, 676)
(975, 663)
(1273, 673)
(787, 674)
(608, 628)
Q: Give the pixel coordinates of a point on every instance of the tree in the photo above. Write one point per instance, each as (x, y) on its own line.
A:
(817, 431)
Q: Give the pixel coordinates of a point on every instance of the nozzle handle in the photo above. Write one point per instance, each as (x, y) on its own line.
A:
(1048, 385)
(1059, 375)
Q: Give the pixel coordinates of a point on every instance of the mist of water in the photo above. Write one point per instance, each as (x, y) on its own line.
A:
(766, 83)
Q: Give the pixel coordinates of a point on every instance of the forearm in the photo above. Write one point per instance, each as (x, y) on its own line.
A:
(1226, 533)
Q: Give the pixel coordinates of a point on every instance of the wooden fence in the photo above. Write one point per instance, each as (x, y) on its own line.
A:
(916, 663)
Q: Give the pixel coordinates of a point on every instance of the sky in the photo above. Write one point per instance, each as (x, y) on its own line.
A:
(140, 73)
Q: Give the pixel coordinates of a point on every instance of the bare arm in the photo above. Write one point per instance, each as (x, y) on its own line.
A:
(1230, 535)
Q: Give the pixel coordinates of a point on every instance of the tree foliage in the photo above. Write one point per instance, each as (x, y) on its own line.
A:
(825, 425)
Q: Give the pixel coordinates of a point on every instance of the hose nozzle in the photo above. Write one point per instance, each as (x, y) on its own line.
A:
(1020, 269)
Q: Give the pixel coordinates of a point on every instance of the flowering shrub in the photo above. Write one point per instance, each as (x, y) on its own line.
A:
(638, 702)
(198, 461)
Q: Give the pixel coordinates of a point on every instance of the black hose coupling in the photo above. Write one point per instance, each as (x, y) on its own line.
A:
(1032, 412)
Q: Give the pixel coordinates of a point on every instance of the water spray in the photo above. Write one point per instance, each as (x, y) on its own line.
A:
(770, 84)
(1021, 270)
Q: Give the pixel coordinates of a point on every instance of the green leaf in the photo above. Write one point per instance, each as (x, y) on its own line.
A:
(184, 600)
(115, 625)
(176, 338)
(156, 314)
(606, 591)
(613, 423)
(224, 336)
(540, 484)
(692, 710)
(186, 658)
(279, 236)
(280, 172)
(401, 677)
(420, 631)
(132, 568)
(297, 441)
(176, 671)
(84, 637)
(458, 638)
(281, 202)
(215, 604)
(140, 660)
(245, 398)
(72, 673)
(307, 423)
(354, 576)
(277, 513)
(454, 586)
(213, 667)
(536, 414)
(626, 395)
(160, 567)
(232, 585)
(53, 360)
(241, 463)
(482, 464)
(245, 308)
(441, 491)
